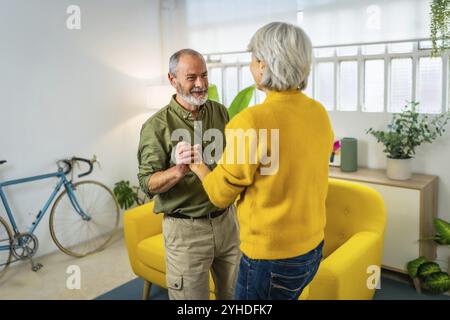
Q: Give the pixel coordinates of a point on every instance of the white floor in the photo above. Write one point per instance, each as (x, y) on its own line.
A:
(99, 272)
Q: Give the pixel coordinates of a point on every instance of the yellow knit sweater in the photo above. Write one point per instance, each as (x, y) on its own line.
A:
(281, 213)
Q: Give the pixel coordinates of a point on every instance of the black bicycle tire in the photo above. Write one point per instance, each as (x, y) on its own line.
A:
(8, 231)
(52, 214)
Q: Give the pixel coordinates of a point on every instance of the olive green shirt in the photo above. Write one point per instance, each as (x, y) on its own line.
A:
(155, 154)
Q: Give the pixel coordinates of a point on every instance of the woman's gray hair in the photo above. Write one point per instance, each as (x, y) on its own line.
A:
(287, 52)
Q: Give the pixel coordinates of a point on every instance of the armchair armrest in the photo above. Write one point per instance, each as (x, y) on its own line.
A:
(343, 274)
(140, 223)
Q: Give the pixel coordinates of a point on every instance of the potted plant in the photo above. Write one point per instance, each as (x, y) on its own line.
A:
(407, 131)
(439, 26)
(128, 195)
(428, 274)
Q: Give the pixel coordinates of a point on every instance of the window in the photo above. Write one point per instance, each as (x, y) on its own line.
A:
(429, 82)
(324, 84)
(400, 84)
(348, 86)
(374, 86)
(378, 77)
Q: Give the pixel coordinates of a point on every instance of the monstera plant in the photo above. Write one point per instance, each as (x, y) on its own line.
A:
(428, 274)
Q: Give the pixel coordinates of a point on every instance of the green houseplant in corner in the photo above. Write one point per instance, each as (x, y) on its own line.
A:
(407, 131)
(428, 274)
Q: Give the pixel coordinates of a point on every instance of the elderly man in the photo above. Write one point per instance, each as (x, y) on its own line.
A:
(198, 236)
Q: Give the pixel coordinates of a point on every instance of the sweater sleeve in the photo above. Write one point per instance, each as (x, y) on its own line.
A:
(237, 167)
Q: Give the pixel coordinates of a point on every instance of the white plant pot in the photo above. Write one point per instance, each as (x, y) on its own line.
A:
(399, 169)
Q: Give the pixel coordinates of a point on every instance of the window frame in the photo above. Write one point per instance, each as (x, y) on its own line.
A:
(419, 50)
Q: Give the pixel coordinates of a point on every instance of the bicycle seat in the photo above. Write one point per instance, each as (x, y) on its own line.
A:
(2, 161)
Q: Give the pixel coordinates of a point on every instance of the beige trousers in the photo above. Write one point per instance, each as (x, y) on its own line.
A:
(194, 248)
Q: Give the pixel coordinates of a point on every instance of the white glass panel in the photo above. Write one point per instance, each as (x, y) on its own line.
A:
(309, 88)
(215, 77)
(348, 86)
(260, 96)
(401, 84)
(402, 47)
(429, 83)
(247, 80)
(229, 58)
(300, 18)
(324, 84)
(214, 58)
(374, 86)
(245, 57)
(347, 51)
(231, 85)
(324, 52)
(373, 49)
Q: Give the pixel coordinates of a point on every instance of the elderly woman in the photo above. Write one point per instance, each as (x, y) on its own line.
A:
(281, 212)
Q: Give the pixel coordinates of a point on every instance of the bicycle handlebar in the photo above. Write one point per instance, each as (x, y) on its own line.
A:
(69, 162)
(69, 166)
(89, 162)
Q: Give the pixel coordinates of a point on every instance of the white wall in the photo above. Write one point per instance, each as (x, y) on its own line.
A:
(72, 92)
(210, 26)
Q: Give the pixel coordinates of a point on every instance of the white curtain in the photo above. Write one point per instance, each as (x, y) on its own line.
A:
(330, 22)
(218, 26)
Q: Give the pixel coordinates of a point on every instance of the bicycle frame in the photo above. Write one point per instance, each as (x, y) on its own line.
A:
(63, 181)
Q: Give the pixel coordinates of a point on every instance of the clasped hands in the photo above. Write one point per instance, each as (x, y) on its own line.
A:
(190, 157)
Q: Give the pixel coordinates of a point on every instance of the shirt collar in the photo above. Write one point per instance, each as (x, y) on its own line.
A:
(270, 95)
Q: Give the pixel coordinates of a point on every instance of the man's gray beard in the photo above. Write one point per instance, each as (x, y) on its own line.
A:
(193, 101)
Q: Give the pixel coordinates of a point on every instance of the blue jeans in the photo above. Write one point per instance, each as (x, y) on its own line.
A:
(282, 279)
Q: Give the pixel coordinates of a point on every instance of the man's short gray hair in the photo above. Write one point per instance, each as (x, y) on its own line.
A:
(287, 52)
(175, 58)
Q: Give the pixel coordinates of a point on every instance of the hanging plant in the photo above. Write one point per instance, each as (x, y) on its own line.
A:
(440, 26)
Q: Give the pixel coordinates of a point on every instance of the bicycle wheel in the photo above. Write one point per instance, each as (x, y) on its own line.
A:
(79, 237)
(5, 246)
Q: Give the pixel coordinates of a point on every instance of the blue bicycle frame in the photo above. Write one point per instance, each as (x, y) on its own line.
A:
(63, 181)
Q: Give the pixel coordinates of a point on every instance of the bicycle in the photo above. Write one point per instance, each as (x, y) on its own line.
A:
(83, 218)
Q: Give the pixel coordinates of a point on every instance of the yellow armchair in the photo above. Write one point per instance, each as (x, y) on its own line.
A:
(356, 220)
(354, 233)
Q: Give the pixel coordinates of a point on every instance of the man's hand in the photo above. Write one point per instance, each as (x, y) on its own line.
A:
(181, 170)
(185, 153)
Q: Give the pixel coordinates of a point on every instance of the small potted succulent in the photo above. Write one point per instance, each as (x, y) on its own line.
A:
(407, 131)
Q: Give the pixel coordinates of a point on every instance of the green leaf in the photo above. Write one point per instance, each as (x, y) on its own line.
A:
(427, 269)
(443, 230)
(213, 94)
(438, 282)
(414, 265)
(241, 101)
(124, 194)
